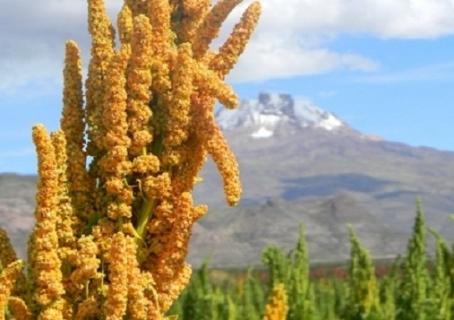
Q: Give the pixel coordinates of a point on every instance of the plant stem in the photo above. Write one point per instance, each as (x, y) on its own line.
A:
(144, 216)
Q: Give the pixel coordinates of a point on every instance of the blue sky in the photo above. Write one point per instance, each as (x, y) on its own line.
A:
(409, 98)
(390, 73)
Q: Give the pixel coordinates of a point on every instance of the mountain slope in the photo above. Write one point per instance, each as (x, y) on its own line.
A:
(298, 164)
(309, 167)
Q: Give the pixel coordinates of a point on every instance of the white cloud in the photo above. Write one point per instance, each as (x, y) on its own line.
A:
(383, 18)
(33, 36)
(292, 39)
(293, 36)
(435, 72)
(273, 57)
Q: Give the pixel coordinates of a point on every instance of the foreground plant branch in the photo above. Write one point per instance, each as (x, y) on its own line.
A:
(110, 241)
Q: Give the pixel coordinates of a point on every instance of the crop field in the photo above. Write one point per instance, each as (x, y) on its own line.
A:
(414, 286)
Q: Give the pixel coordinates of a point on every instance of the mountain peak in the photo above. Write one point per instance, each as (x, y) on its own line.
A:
(282, 104)
(264, 114)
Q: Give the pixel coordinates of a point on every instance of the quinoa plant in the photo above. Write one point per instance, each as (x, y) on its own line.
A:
(114, 207)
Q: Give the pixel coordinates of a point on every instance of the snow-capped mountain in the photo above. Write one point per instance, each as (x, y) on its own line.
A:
(265, 114)
(298, 164)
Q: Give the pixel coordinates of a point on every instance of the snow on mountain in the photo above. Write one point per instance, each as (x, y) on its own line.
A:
(265, 114)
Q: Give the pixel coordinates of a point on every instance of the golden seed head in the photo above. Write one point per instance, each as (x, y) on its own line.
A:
(157, 187)
(139, 81)
(125, 25)
(231, 50)
(8, 277)
(116, 302)
(227, 165)
(146, 164)
(277, 307)
(209, 29)
(7, 253)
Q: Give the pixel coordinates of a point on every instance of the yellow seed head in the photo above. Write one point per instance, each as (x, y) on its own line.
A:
(124, 22)
(73, 125)
(139, 80)
(67, 222)
(86, 262)
(102, 52)
(118, 276)
(178, 111)
(146, 164)
(8, 278)
(7, 253)
(227, 165)
(231, 50)
(209, 29)
(111, 241)
(45, 260)
(137, 301)
(277, 307)
(159, 12)
(194, 11)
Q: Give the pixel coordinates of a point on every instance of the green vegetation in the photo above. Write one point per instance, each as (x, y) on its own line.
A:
(414, 287)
